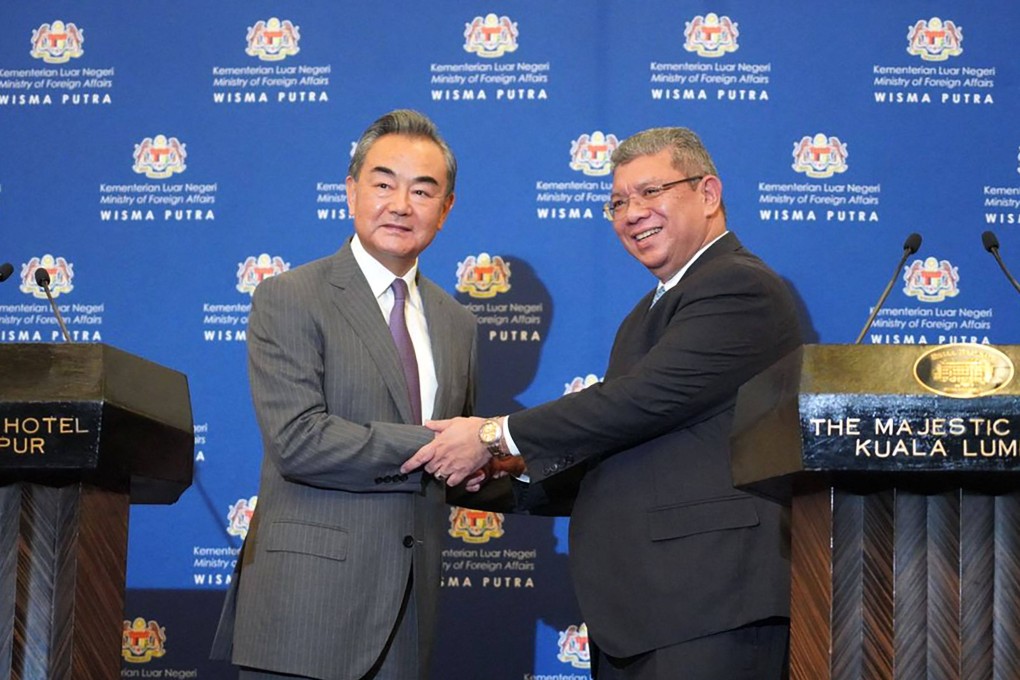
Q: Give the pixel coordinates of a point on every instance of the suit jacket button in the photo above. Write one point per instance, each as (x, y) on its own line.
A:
(408, 541)
(388, 478)
(378, 480)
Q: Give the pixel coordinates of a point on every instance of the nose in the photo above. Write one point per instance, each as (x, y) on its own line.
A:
(635, 210)
(400, 202)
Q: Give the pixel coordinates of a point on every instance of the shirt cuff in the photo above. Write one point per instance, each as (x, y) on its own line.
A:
(512, 447)
(514, 451)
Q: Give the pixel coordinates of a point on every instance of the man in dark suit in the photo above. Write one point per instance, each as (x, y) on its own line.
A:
(348, 355)
(679, 575)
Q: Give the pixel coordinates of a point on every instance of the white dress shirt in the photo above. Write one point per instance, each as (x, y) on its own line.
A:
(379, 280)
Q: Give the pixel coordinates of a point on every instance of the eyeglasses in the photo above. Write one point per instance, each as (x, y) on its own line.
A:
(618, 207)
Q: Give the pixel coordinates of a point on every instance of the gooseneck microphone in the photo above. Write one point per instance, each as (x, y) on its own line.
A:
(6, 269)
(910, 247)
(991, 244)
(42, 277)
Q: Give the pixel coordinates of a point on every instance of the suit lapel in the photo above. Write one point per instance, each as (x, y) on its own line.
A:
(727, 244)
(353, 298)
(642, 327)
(437, 317)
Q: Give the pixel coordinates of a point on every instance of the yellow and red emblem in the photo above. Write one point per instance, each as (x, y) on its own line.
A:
(931, 280)
(254, 270)
(142, 641)
(935, 39)
(483, 276)
(711, 35)
(61, 274)
(239, 516)
(475, 526)
(574, 649)
(592, 154)
(491, 36)
(58, 43)
(273, 40)
(159, 157)
(819, 156)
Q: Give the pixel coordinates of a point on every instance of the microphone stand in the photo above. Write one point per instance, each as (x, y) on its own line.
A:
(42, 277)
(907, 252)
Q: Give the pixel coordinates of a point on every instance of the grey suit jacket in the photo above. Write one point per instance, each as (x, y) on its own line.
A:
(338, 528)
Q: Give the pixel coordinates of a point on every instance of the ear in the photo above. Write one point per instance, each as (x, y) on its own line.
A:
(352, 190)
(711, 188)
(444, 211)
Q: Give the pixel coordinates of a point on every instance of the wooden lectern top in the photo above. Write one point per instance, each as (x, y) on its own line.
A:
(875, 415)
(69, 411)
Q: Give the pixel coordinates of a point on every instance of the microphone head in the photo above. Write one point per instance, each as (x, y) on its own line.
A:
(6, 269)
(990, 241)
(42, 277)
(912, 243)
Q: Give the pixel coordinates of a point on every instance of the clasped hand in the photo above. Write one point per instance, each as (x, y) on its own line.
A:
(457, 454)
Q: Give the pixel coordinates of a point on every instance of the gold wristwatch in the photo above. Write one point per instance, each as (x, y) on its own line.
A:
(491, 434)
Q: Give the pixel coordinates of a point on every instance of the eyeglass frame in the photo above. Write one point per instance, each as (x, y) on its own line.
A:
(656, 190)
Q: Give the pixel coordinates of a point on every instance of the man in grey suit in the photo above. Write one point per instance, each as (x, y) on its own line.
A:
(348, 355)
(679, 575)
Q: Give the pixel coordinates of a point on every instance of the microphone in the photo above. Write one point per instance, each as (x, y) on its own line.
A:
(910, 247)
(6, 269)
(42, 277)
(991, 244)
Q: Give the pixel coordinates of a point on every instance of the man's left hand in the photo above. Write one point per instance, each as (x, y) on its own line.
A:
(454, 454)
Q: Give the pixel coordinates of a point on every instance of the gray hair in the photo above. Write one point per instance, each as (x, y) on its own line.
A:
(410, 124)
(688, 154)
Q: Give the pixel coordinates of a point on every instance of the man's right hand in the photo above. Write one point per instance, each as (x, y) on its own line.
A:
(496, 468)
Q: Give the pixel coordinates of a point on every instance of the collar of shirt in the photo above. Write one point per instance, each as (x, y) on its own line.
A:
(380, 279)
(675, 279)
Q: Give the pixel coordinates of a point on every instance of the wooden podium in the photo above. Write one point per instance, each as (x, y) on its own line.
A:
(902, 466)
(85, 430)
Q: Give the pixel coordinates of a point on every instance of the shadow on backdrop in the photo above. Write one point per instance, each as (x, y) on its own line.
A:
(506, 596)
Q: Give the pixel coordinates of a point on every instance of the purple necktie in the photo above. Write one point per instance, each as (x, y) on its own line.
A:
(402, 339)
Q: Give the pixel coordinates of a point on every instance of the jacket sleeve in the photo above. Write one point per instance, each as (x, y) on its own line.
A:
(724, 330)
(304, 440)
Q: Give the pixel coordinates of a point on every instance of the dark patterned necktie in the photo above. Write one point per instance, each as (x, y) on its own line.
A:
(402, 339)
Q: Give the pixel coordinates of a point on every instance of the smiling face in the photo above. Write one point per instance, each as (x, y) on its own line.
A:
(399, 200)
(664, 232)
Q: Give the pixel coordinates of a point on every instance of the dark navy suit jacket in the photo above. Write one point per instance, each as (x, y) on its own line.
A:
(663, 548)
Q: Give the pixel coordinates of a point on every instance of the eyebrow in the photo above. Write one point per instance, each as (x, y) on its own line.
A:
(422, 179)
(639, 186)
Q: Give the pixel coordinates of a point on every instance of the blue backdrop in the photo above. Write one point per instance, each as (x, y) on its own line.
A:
(161, 158)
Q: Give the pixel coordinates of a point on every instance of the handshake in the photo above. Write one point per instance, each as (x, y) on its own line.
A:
(458, 454)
